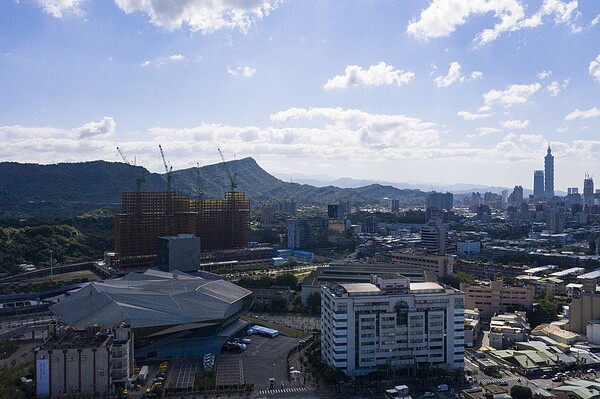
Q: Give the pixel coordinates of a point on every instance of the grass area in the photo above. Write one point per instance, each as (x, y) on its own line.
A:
(7, 349)
(301, 275)
(204, 381)
(290, 332)
(11, 386)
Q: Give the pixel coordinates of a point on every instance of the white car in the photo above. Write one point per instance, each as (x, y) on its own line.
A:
(428, 394)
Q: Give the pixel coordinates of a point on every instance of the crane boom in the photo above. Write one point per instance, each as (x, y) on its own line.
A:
(138, 180)
(168, 169)
(232, 182)
(198, 179)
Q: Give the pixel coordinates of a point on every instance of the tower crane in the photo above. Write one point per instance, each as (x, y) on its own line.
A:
(232, 178)
(138, 180)
(198, 184)
(168, 169)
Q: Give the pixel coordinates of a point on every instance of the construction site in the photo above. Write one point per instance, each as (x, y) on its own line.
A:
(147, 215)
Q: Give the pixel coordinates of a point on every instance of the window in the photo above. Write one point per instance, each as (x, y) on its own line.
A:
(401, 313)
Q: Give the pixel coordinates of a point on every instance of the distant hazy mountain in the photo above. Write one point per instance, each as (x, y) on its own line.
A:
(68, 189)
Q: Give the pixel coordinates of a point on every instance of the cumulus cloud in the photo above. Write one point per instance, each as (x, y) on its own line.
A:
(595, 68)
(514, 124)
(244, 71)
(455, 76)
(544, 74)
(105, 127)
(513, 94)
(201, 15)
(57, 8)
(375, 75)
(577, 114)
(443, 17)
(554, 87)
(469, 116)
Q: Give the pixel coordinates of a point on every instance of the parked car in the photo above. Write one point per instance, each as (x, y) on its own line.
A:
(428, 394)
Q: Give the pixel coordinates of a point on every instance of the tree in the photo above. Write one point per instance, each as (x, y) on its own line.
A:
(314, 302)
(545, 311)
(278, 305)
(521, 392)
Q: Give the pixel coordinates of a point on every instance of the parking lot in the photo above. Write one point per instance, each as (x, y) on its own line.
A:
(264, 358)
(183, 373)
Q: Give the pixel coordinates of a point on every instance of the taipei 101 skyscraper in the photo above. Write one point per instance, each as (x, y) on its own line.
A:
(549, 173)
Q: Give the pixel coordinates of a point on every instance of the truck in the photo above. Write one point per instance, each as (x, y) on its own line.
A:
(143, 374)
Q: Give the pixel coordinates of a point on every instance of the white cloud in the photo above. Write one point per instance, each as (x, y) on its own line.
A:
(595, 68)
(105, 127)
(514, 124)
(201, 15)
(544, 74)
(442, 17)
(486, 131)
(595, 21)
(244, 71)
(376, 75)
(513, 94)
(577, 114)
(554, 87)
(468, 116)
(59, 7)
(160, 61)
(454, 75)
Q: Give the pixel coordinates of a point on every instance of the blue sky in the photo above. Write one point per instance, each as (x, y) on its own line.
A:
(439, 91)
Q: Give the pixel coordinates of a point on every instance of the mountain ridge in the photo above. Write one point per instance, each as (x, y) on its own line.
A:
(69, 189)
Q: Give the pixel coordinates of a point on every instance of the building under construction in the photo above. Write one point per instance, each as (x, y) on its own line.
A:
(146, 215)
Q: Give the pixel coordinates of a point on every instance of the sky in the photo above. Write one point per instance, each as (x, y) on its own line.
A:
(436, 91)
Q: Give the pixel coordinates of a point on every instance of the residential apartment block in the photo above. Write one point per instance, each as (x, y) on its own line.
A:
(391, 322)
(492, 297)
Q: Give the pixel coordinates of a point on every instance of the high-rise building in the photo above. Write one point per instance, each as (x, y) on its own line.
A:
(440, 201)
(516, 197)
(549, 173)
(267, 213)
(146, 216)
(391, 322)
(588, 190)
(538, 185)
(395, 205)
(434, 237)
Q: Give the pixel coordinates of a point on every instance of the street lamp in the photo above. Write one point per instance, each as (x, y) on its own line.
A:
(51, 274)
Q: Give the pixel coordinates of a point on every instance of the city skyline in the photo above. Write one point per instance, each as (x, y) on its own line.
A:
(364, 89)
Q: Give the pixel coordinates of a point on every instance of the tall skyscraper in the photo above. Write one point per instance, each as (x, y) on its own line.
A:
(538, 184)
(395, 205)
(549, 173)
(588, 190)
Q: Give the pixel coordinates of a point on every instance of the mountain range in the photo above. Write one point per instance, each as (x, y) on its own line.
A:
(69, 189)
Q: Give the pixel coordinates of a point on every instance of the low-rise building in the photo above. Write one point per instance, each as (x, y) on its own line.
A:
(95, 361)
(492, 297)
(508, 328)
(391, 322)
(468, 248)
(440, 265)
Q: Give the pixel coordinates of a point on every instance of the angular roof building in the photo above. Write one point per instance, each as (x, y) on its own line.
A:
(172, 314)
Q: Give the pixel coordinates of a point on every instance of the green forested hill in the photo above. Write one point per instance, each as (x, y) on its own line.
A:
(69, 189)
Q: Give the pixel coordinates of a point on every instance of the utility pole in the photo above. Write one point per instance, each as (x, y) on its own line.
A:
(51, 274)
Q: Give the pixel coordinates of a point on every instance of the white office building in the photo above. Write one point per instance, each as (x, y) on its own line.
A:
(391, 322)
